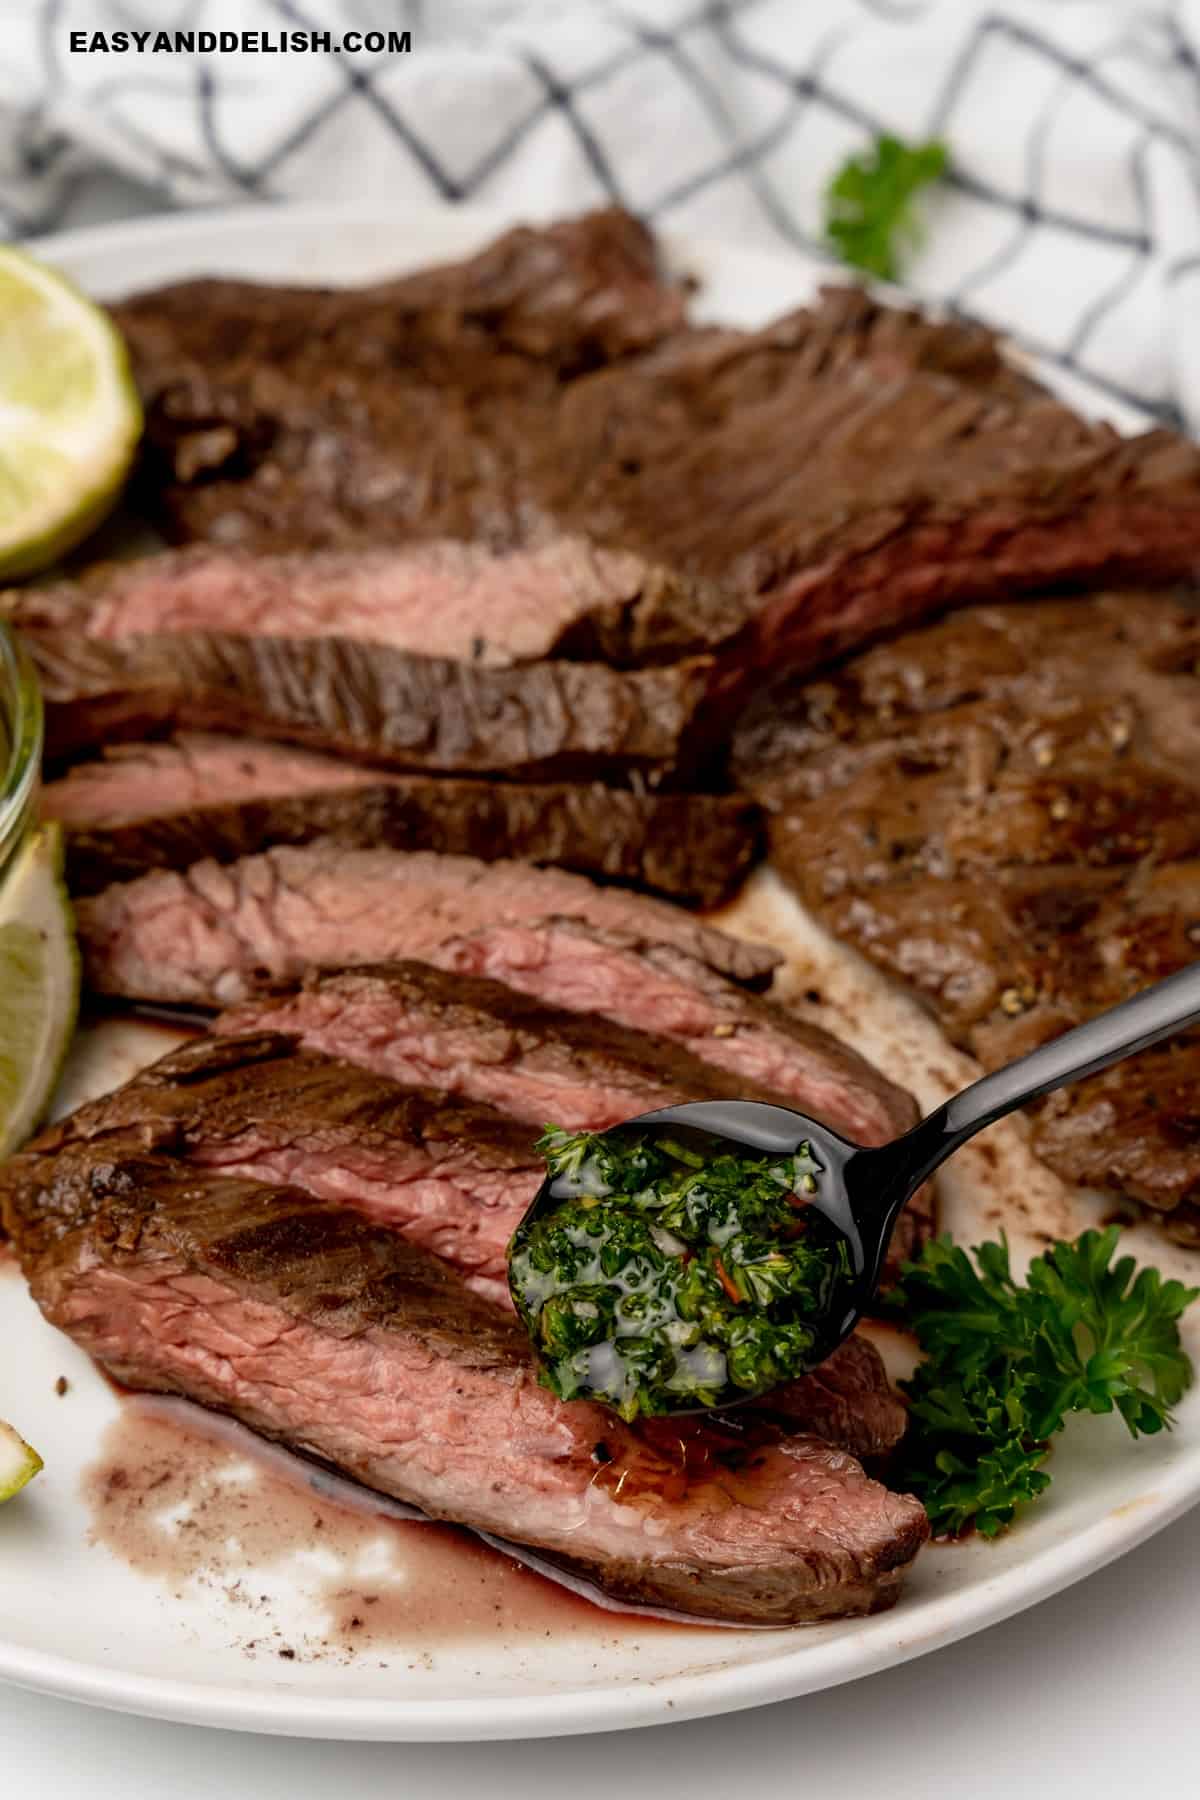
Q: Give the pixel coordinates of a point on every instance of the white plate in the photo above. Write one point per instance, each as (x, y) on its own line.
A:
(77, 1620)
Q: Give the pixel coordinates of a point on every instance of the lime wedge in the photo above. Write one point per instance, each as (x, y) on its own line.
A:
(70, 417)
(39, 984)
(19, 1462)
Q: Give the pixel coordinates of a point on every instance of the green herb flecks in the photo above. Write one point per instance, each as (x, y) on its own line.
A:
(674, 1273)
(1005, 1364)
(869, 210)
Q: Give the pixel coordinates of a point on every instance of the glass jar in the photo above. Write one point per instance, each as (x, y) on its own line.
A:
(20, 746)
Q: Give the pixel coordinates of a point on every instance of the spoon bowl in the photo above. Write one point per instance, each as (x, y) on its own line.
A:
(860, 1191)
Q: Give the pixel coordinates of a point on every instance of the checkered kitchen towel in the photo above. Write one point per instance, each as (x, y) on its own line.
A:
(1070, 216)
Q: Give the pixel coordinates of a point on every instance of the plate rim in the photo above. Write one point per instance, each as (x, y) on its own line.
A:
(656, 1701)
(733, 1687)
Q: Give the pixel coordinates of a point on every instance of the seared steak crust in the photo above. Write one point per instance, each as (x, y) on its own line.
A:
(1001, 811)
(564, 597)
(320, 1330)
(168, 805)
(455, 1177)
(367, 701)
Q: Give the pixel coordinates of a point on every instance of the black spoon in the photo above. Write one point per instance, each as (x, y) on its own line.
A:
(861, 1191)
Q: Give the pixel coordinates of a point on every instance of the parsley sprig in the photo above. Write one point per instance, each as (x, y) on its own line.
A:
(869, 203)
(1005, 1364)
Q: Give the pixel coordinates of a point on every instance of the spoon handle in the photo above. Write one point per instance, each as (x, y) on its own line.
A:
(1156, 1013)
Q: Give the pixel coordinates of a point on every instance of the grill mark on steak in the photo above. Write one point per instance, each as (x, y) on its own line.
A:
(168, 805)
(380, 705)
(453, 1176)
(1000, 811)
(206, 936)
(447, 599)
(318, 1330)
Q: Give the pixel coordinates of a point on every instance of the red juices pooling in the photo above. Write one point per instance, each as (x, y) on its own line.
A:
(191, 1501)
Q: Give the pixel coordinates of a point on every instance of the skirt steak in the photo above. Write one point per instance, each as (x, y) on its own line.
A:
(452, 1176)
(326, 1333)
(205, 937)
(1003, 811)
(170, 804)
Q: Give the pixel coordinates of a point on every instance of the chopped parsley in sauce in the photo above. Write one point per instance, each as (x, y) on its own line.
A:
(674, 1272)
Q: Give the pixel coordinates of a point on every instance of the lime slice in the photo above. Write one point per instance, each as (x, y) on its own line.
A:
(39, 984)
(19, 1462)
(70, 417)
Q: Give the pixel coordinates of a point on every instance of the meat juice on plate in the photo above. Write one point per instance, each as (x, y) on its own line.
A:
(191, 1501)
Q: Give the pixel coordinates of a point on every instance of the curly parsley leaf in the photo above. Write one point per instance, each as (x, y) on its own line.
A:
(869, 203)
(1005, 1363)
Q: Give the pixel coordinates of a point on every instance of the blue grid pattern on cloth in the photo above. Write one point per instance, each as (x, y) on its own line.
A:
(1070, 215)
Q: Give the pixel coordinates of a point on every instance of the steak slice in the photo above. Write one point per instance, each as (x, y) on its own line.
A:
(840, 503)
(170, 804)
(129, 783)
(317, 1329)
(477, 1038)
(206, 936)
(482, 1041)
(839, 473)
(367, 701)
(452, 1176)
(1001, 812)
(659, 988)
(572, 294)
(462, 601)
(322, 397)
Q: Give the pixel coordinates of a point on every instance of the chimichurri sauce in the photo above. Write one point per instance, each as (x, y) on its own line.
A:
(674, 1271)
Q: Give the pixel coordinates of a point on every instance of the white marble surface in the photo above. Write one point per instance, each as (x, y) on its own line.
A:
(1090, 1695)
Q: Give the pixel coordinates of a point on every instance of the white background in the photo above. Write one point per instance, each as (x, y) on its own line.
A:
(1092, 1694)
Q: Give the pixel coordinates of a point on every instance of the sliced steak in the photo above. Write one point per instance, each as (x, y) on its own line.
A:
(660, 989)
(206, 936)
(452, 1176)
(476, 1038)
(572, 294)
(367, 701)
(449, 599)
(840, 503)
(128, 783)
(848, 1400)
(339, 1338)
(168, 805)
(1001, 811)
(843, 471)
